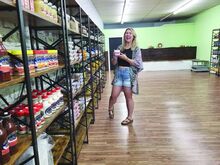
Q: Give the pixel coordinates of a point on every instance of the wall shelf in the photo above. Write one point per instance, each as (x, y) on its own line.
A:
(19, 79)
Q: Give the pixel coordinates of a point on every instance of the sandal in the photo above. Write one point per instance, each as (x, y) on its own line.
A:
(111, 113)
(126, 121)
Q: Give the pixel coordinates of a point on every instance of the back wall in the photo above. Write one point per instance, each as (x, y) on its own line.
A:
(170, 35)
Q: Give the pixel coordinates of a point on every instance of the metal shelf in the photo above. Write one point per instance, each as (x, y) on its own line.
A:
(35, 19)
(61, 142)
(19, 79)
(24, 141)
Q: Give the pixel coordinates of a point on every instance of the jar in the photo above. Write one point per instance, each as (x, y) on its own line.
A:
(60, 96)
(27, 117)
(31, 4)
(3, 50)
(11, 132)
(22, 128)
(46, 8)
(39, 94)
(50, 58)
(4, 145)
(55, 98)
(37, 116)
(34, 92)
(35, 99)
(46, 106)
(50, 11)
(55, 18)
(18, 66)
(39, 7)
(40, 106)
(40, 59)
(5, 68)
(50, 101)
(31, 61)
(53, 57)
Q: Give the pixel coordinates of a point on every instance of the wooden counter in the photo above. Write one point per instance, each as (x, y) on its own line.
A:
(168, 54)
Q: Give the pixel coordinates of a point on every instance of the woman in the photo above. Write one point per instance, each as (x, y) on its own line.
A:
(128, 64)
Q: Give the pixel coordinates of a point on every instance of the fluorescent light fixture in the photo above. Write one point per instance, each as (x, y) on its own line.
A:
(123, 11)
(184, 6)
(181, 8)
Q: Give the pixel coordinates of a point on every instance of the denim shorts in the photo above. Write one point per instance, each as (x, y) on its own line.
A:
(122, 77)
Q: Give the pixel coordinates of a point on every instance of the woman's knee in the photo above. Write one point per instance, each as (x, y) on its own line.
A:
(128, 97)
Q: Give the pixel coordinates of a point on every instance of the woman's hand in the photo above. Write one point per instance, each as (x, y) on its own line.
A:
(123, 57)
(114, 59)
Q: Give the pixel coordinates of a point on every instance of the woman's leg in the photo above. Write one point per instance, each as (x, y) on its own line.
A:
(129, 101)
(114, 95)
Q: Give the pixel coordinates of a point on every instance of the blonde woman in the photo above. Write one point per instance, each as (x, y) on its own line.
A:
(128, 64)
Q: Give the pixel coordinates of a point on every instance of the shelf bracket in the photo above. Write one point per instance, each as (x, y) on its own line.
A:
(4, 100)
(10, 33)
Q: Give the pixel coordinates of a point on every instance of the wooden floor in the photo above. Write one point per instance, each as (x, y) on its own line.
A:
(176, 122)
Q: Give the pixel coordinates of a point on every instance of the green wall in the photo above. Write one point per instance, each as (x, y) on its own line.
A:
(204, 24)
(170, 35)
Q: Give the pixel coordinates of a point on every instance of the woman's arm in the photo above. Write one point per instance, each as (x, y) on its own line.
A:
(125, 58)
(114, 59)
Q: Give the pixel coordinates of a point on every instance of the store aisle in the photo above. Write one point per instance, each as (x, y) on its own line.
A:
(176, 121)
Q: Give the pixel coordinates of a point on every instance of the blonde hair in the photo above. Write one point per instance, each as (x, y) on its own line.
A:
(134, 42)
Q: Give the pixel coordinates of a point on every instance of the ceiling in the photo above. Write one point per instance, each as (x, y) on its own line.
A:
(144, 11)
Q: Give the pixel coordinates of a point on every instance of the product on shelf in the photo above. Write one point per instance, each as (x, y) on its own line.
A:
(68, 20)
(22, 128)
(27, 4)
(55, 18)
(11, 132)
(5, 76)
(39, 7)
(3, 50)
(53, 57)
(5, 68)
(74, 25)
(18, 68)
(50, 10)
(214, 58)
(46, 8)
(4, 145)
(40, 59)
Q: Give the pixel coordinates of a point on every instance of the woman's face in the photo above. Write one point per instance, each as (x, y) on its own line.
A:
(128, 36)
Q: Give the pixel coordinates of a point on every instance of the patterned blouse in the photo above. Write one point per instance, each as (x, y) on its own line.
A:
(134, 70)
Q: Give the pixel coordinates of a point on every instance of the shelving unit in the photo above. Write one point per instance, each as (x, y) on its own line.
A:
(200, 65)
(71, 133)
(215, 52)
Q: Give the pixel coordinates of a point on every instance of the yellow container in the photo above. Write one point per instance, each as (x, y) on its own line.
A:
(39, 7)
(53, 55)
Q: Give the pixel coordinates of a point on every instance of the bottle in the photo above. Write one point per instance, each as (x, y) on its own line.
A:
(3, 50)
(11, 132)
(4, 146)
(22, 128)
(46, 107)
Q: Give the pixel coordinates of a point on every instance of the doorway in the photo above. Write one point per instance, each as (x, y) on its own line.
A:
(113, 44)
